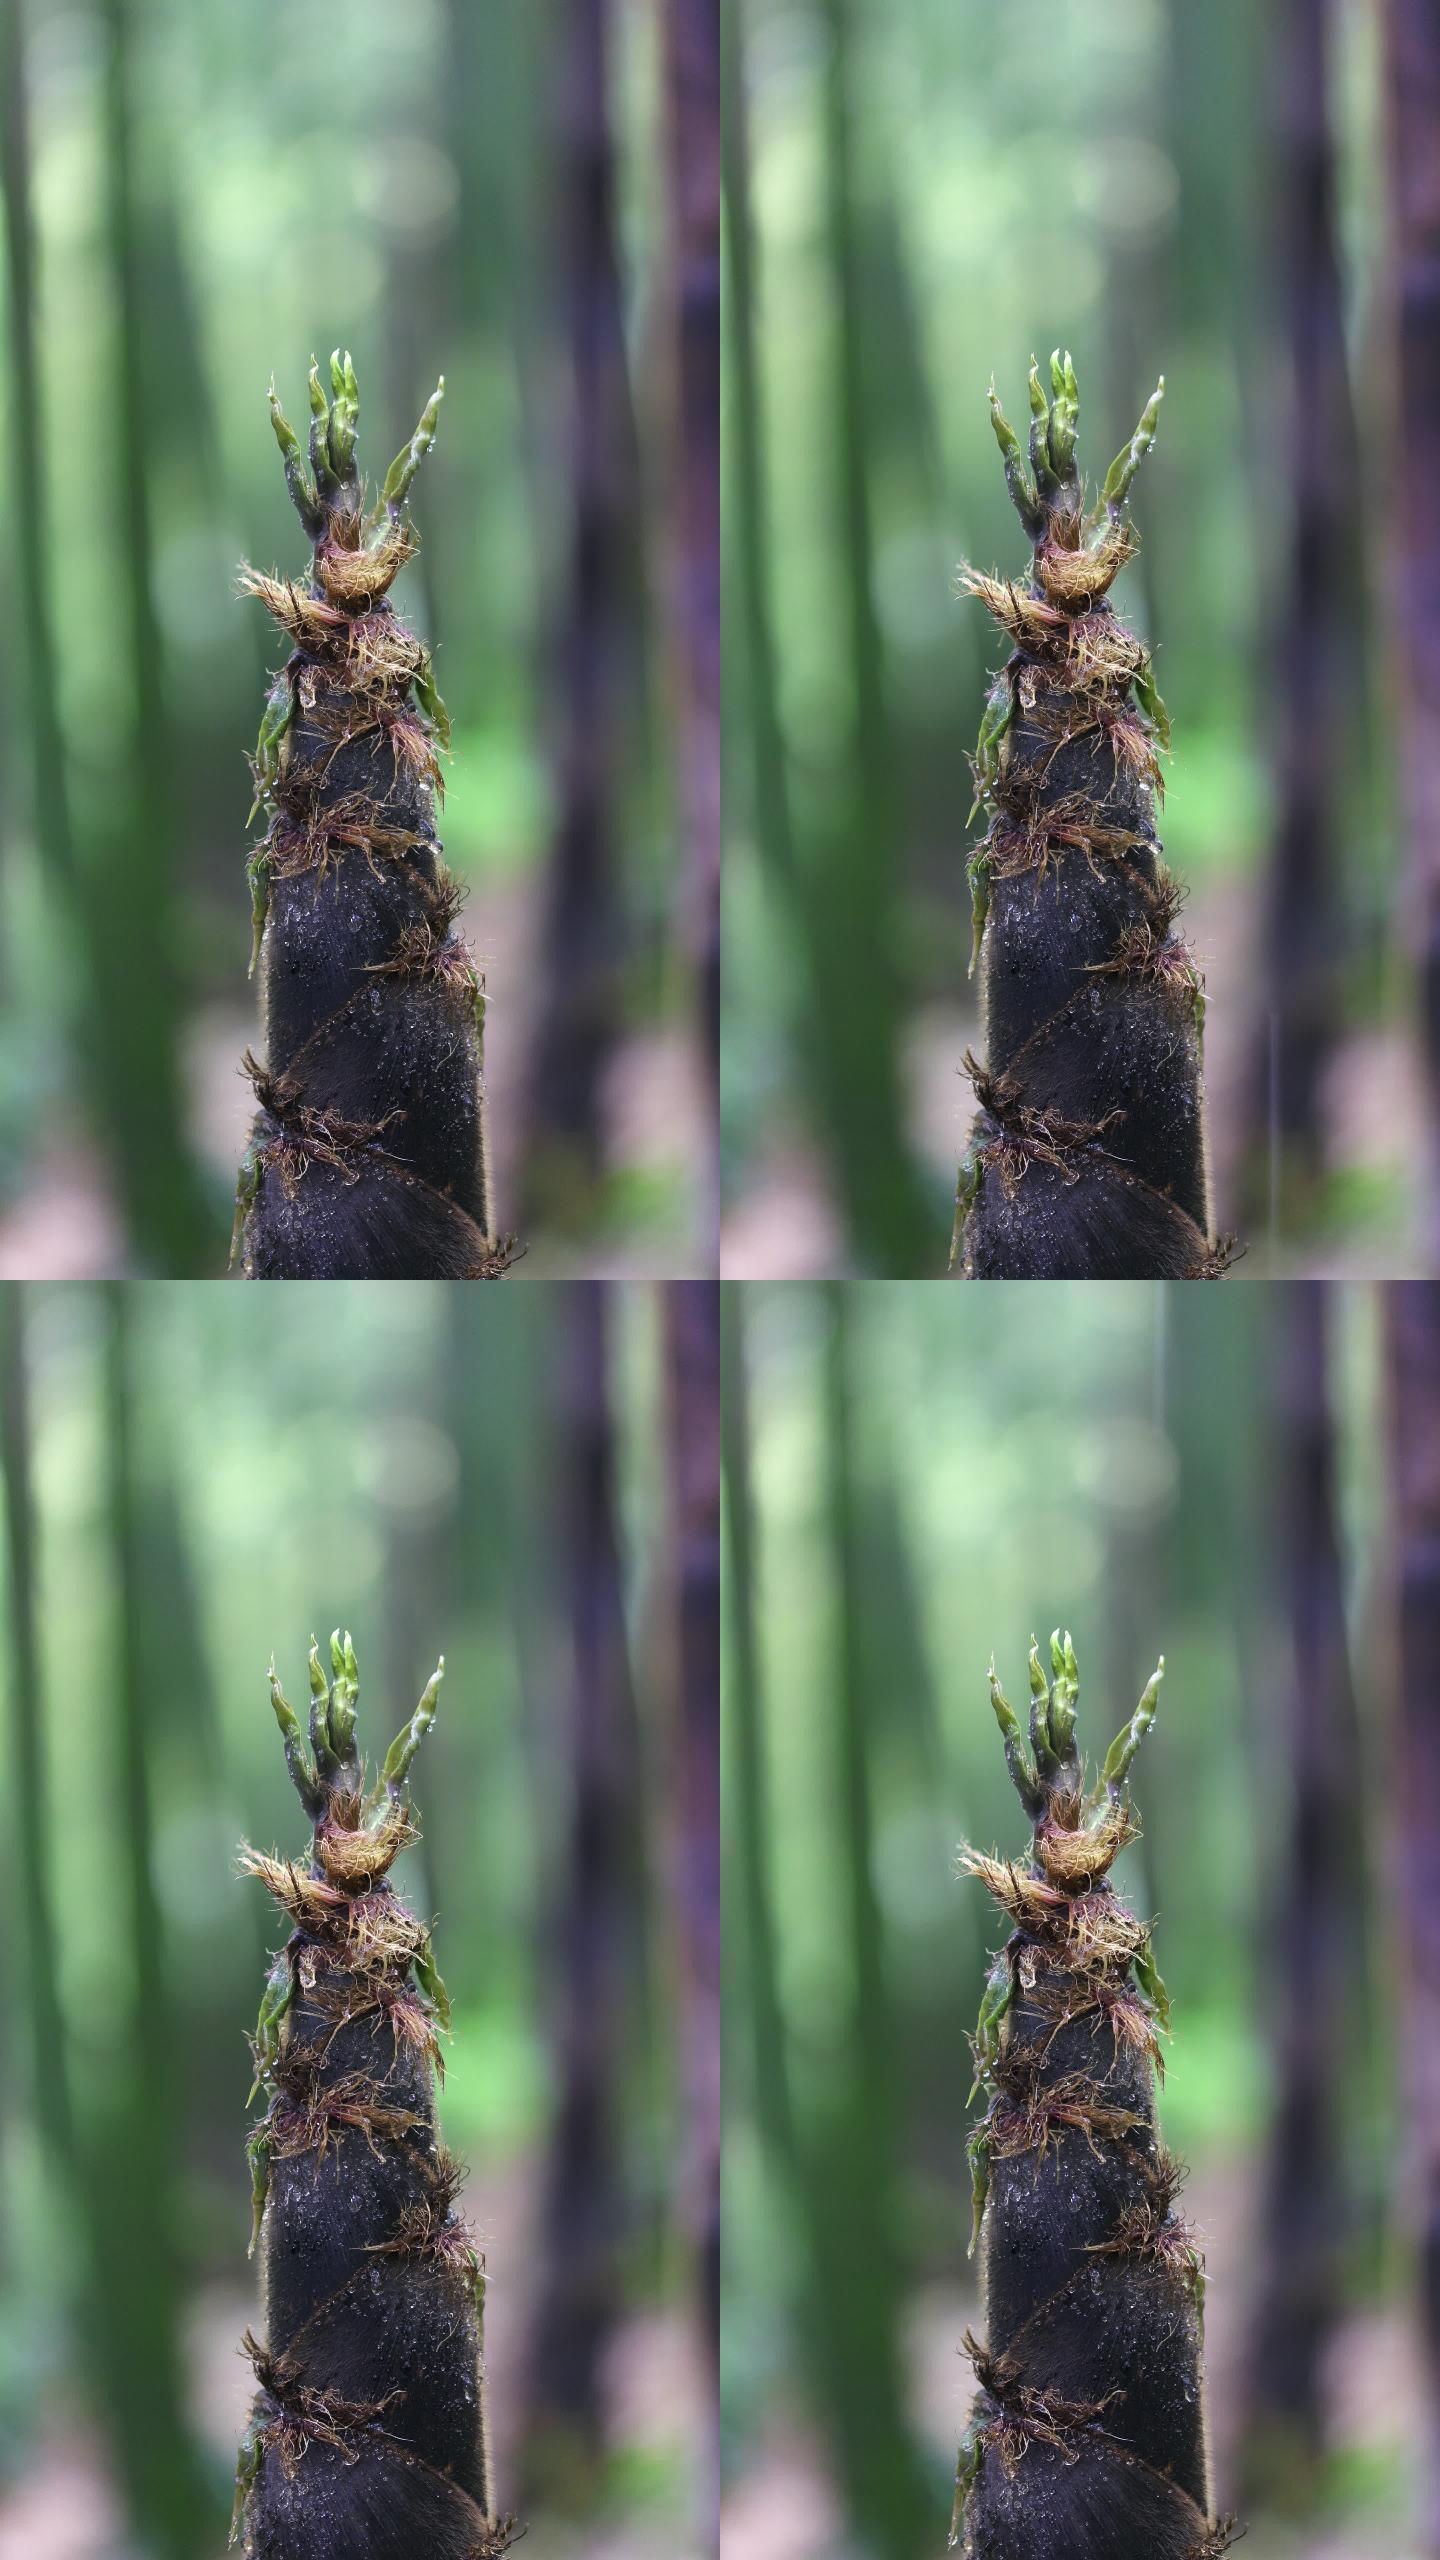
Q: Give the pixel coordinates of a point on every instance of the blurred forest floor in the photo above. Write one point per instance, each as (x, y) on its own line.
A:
(64, 2508)
(65, 1225)
(784, 2508)
(783, 1224)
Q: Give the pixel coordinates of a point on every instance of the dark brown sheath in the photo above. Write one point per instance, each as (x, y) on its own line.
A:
(1088, 2434)
(367, 2437)
(367, 1157)
(1087, 1156)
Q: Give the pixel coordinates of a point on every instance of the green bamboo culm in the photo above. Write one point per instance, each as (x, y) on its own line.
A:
(367, 1158)
(368, 2432)
(1087, 1159)
(1088, 2433)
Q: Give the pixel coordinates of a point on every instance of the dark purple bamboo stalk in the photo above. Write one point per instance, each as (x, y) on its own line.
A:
(1412, 1341)
(1412, 82)
(1313, 1957)
(577, 1023)
(691, 30)
(1311, 655)
(592, 1951)
(692, 1364)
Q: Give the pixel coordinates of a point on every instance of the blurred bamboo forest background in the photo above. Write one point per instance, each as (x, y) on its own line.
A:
(916, 198)
(1249, 1482)
(531, 1483)
(195, 198)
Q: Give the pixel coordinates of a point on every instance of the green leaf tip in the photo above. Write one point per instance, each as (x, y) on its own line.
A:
(343, 1695)
(427, 694)
(344, 415)
(408, 460)
(320, 464)
(303, 1772)
(1023, 1774)
(247, 2472)
(285, 435)
(427, 1974)
(1128, 460)
(275, 2004)
(258, 2148)
(407, 1742)
(978, 2150)
(1064, 415)
(1126, 1743)
(1040, 463)
(298, 481)
(322, 1741)
(1040, 1741)
(1022, 490)
(1064, 1694)
(1147, 1974)
(967, 2472)
(247, 1186)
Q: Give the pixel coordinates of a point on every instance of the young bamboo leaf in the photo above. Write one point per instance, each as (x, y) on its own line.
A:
(1040, 463)
(981, 874)
(297, 478)
(343, 1697)
(247, 2466)
(1147, 694)
(1147, 1974)
(1064, 415)
(1022, 1771)
(1017, 480)
(258, 2152)
(406, 1743)
(297, 1760)
(326, 1757)
(977, 2152)
(320, 463)
(1128, 460)
(275, 2005)
(427, 694)
(427, 1974)
(258, 873)
(967, 2465)
(1125, 1745)
(1040, 1743)
(408, 460)
(1064, 1696)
